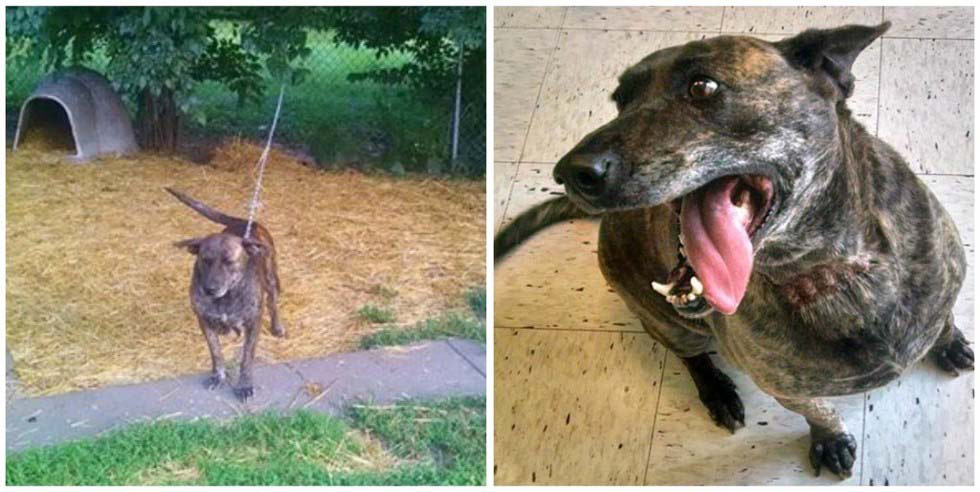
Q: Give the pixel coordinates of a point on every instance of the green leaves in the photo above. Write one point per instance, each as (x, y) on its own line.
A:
(166, 52)
(430, 34)
(156, 48)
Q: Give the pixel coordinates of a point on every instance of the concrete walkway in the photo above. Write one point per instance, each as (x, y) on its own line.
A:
(426, 370)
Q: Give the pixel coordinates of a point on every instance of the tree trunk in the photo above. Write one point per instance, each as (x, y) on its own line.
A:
(158, 121)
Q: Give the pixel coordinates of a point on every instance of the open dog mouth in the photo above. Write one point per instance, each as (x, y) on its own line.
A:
(718, 222)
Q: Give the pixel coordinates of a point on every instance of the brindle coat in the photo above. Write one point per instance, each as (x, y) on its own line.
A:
(856, 269)
(231, 273)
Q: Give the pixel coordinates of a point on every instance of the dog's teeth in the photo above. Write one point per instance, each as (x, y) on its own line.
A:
(680, 237)
(691, 296)
(672, 299)
(683, 253)
(743, 198)
(696, 286)
(661, 288)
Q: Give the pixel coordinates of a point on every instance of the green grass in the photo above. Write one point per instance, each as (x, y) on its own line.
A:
(422, 443)
(448, 325)
(476, 298)
(375, 314)
(451, 436)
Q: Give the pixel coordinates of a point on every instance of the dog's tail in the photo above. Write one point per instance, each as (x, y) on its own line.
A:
(540, 216)
(207, 211)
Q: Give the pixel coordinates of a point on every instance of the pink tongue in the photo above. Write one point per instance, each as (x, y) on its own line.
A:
(717, 244)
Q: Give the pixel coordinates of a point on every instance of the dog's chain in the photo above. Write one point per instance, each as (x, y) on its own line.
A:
(261, 166)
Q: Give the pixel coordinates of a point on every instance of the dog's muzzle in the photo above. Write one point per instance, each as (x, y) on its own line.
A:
(588, 174)
(213, 292)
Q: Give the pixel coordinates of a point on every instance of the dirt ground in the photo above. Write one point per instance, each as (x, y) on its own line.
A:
(97, 294)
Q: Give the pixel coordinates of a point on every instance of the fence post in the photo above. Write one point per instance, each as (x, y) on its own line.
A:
(456, 109)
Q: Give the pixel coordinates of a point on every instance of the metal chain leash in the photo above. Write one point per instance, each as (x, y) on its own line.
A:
(253, 206)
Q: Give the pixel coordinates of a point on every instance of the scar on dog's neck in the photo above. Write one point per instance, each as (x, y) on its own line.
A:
(820, 281)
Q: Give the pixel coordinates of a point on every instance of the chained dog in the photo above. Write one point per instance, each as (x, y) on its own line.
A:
(233, 276)
(741, 202)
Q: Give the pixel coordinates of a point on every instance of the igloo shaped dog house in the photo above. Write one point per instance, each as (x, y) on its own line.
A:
(77, 107)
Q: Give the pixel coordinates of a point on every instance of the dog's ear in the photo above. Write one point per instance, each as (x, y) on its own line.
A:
(831, 52)
(253, 247)
(191, 245)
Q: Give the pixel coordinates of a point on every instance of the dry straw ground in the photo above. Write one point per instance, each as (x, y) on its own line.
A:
(97, 294)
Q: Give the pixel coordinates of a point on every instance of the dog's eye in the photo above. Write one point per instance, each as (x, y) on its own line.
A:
(227, 261)
(703, 88)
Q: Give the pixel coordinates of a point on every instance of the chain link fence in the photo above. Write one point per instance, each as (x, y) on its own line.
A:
(339, 119)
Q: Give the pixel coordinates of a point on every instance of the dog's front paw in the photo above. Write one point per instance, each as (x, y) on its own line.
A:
(836, 452)
(723, 402)
(278, 330)
(243, 393)
(954, 355)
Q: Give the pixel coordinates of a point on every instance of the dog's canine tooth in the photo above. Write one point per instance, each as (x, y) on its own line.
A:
(696, 286)
(661, 288)
(743, 199)
(682, 252)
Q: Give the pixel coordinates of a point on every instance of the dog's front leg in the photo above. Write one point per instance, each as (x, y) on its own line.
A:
(830, 443)
(952, 351)
(217, 360)
(717, 391)
(244, 390)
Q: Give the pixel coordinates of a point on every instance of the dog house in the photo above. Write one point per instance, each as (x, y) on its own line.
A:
(77, 109)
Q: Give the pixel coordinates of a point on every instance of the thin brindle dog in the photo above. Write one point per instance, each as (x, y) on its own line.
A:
(741, 202)
(231, 274)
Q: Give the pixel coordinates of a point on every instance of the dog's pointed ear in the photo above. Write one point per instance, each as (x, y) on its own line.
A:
(253, 247)
(831, 52)
(191, 245)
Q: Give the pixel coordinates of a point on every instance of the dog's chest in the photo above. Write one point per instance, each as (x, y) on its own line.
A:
(787, 356)
(234, 311)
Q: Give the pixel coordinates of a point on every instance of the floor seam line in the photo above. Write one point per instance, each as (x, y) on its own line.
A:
(544, 76)
(881, 71)
(510, 195)
(653, 430)
(864, 425)
(720, 31)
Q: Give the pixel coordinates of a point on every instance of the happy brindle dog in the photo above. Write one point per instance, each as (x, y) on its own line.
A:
(740, 201)
(231, 273)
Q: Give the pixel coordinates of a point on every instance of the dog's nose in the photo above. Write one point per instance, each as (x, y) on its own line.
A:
(586, 173)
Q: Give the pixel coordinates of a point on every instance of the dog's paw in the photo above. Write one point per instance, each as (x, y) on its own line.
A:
(836, 452)
(955, 355)
(243, 393)
(214, 381)
(723, 403)
(278, 330)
